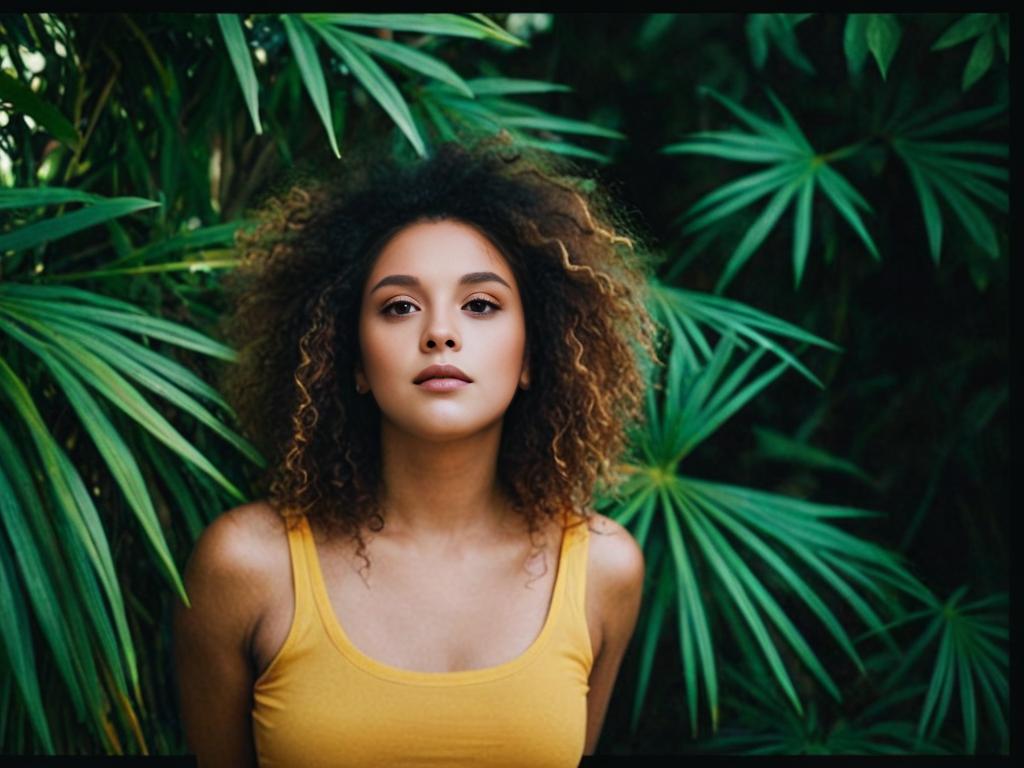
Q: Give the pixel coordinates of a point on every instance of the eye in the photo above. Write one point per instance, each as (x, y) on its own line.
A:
(387, 310)
(494, 307)
(485, 302)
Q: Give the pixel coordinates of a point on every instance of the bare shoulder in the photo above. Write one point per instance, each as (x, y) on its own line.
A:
(617, 560)
(240, 540)
(236, 565)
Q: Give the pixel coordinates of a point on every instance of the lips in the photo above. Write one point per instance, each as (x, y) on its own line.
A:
(440, 372)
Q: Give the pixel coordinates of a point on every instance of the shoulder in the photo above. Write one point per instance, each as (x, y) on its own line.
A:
(240, 541)
(617, 566)
(236, 563)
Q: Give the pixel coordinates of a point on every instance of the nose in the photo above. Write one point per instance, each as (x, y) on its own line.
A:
(440, 331)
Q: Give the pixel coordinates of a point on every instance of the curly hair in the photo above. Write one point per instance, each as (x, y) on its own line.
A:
(294, 303)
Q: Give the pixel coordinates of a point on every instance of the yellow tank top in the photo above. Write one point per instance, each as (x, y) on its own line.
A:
(322, 702)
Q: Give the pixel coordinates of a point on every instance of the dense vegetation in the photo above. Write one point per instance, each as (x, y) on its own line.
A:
(821, 488)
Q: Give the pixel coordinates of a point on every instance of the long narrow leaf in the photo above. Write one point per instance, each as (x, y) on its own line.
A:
(54, 229)
(241, 60)
(376, 81)
(312, 73)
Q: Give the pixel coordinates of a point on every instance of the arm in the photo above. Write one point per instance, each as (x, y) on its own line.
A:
(211, 643)
(619, 567)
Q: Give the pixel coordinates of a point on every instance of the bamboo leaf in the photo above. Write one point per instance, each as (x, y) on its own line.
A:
(450, 24)
(756, 233)
(54, 229)
(376, 82)
(971, 25)
(855, 44)
(79, 515)
(504, 86)
(312, 73)
(980, 60)
(238, 51)
(14, 630)
(930, 210)
(36, 562)
(838, 191)
(413, 59)
(802, 229)
(119, 461)
(24, 100)
(883, 34)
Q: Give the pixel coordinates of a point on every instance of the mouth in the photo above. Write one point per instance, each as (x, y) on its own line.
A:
(442, 384)
(440, 373)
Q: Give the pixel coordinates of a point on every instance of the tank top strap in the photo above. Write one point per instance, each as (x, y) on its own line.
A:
(300, 543)
(574, 560)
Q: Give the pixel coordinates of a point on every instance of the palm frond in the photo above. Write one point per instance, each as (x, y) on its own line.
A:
(795, 170)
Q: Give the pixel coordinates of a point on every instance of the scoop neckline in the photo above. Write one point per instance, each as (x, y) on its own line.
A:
(341, 640)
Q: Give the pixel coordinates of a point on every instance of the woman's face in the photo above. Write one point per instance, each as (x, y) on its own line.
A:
(417, 311)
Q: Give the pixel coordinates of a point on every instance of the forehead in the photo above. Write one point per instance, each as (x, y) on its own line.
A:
(439, 249)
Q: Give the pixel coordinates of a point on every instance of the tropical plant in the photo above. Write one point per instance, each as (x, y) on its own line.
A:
(132, 146)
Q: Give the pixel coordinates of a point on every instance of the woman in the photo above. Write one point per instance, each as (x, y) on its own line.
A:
(440, 358)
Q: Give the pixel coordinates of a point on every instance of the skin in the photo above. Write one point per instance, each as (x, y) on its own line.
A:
(439, 451)
(443, 508)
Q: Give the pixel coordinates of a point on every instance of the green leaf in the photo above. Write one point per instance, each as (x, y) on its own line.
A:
(563, 125)
(116, 390)
(743, 602)
(238, 50)
(743, 192)
(930, 210)
(756, 28)
(504, 86)
(758, 124)
(138, 322)
(312, 73)
(54, 229)
(450, 24)
(855, 44)
(757, 232)
(651, 635)
(413, 59)
(14, 629)
(844, 198)
(980, 61)
(795, 135)
(20, 512)
(376, 82)
(975, 222)
(971, 25)
(35, 197)
(75, 508)
(24, 101)
(692, 616)
(802, 229)
(119, 461)
(883, 33)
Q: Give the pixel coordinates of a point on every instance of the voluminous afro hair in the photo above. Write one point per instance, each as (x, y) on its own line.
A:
(295, 303)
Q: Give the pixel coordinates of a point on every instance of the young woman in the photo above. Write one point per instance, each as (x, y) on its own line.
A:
(441, 360)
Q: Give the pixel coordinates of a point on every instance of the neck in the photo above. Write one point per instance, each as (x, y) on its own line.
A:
(442, 493)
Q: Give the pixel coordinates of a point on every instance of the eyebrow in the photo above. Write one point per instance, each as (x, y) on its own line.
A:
(470, 278)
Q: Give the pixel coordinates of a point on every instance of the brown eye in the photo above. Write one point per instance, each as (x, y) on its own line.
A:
(387, 310)
(484, 302)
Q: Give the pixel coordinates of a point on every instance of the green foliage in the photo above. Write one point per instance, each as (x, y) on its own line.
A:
(131, 147)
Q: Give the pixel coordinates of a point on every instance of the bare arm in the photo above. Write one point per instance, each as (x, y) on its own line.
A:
(620, 568)
(211, 643)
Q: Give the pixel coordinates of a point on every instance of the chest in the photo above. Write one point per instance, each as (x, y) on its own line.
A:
(431, 615)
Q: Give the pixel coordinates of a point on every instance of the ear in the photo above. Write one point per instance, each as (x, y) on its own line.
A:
(524, 376)
(361, 384)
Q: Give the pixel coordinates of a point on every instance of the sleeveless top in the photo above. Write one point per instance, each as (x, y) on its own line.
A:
(322, 702)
